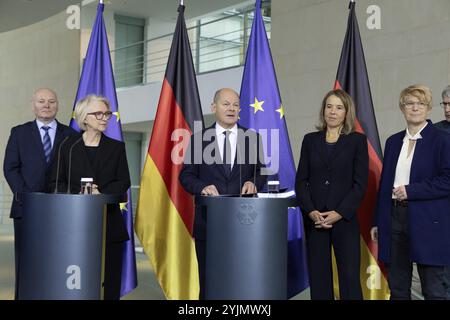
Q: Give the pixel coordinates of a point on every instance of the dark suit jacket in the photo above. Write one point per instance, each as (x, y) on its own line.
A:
(428, 197)
(337, 182)
(109, 171)
(24, 166)
(194, 177)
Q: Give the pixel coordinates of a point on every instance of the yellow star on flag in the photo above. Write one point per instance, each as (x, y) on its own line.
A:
(281, 111)
(123, 206)
(257, 105)
(73, 115)
(117, 114)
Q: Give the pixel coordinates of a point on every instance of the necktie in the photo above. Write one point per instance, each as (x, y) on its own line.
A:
(47, 144)
(227, 153)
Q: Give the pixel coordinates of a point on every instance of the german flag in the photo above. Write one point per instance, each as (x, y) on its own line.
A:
(352, 78)
(165, 212)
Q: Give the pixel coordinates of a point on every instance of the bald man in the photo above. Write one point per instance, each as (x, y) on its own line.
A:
(225, 175)
(29, 155)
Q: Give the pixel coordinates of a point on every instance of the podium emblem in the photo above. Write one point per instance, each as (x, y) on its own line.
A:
(247, 214)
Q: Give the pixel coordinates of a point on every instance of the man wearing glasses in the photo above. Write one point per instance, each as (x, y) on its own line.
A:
(29, 156)
(412, 218)
(445, 104)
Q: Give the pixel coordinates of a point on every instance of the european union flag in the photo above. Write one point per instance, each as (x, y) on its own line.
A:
(261, 108)
(97, 78)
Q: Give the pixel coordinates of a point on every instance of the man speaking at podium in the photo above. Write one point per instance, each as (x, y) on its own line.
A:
(235, 169)
(29, 156)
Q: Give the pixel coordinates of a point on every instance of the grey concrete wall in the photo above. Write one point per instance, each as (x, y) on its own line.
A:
(412, 46)
(45, 54)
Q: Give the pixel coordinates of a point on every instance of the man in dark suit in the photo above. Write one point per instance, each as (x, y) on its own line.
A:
(233, 166)
(445, 104)
(31, 150)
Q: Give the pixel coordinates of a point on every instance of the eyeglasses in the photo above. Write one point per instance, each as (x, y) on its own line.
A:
(445, 104)
(411, 104)
(102, 115)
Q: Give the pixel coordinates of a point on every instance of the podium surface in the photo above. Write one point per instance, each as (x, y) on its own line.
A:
(62, 246)
(246, 247)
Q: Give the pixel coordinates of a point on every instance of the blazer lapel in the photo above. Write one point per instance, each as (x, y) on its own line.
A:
(420, 144)
(219, 158)
(102, 155)
(218, 161)
(319, 143)
(37, 141)
(58, 138)
(240, 152)
(396, 148)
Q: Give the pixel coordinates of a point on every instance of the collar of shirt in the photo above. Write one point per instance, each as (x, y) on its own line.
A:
(220, 129)
(417, 136)
(51, 124)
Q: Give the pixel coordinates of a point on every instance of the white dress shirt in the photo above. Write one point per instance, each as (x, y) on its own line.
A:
(51, 131)
(403, 169)
(233, 140)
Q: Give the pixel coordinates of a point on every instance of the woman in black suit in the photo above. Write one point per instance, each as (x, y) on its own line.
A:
(96, 156)
(330, 185)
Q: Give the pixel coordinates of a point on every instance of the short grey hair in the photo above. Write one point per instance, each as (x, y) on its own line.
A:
(219, 92)
(446, 92)
(83, 107)
(33, 98)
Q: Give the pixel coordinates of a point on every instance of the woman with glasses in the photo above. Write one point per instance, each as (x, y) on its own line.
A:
(92, 154)
(412, 218)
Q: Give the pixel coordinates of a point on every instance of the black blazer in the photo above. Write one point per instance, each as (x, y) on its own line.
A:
(337, 182)
(24, 166)
(109, 171)
(194, 177)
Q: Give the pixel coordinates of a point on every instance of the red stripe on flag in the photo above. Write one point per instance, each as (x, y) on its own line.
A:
(169, 117)
(367, 208)
(337, 85)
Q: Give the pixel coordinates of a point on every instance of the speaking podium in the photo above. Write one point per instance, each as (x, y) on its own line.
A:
(63, 246)
(246, 247)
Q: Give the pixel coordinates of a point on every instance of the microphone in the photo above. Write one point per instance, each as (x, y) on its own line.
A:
(57, 163)
(238, 162)
(254, 166)
(70, 162)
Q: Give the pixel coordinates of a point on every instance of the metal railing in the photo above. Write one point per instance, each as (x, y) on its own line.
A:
(216, 43)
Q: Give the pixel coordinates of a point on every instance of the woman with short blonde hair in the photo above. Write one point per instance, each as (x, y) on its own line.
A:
(85, 106)
(92, 154)
(421, 92)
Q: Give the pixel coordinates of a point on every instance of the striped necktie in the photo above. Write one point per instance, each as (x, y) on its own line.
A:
(47, 144)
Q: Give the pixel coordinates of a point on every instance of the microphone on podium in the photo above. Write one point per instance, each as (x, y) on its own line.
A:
(57, 163)
(254, 169)
(70, 163)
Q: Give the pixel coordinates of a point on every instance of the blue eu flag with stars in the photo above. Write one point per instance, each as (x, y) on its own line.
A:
(261, 108)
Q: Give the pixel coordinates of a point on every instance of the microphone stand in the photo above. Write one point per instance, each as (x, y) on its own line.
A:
(57, 163)
(70, 163)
